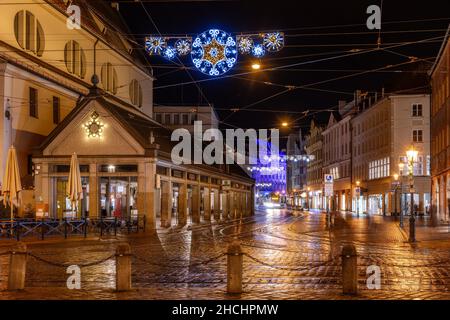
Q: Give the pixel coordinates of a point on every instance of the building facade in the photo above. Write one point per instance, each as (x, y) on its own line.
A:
(382, 133)
(440, 133)
(296, 168)
(175, 117)
(337, 153)
(314, 174)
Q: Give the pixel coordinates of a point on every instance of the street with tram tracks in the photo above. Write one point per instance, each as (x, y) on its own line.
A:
(287, 255)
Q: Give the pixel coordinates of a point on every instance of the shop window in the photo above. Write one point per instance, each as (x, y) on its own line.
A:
(29, 33)
(75, 59)
(136, 93)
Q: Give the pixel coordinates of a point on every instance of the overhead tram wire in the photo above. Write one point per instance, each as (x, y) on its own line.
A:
(187, 71)
(350, 54)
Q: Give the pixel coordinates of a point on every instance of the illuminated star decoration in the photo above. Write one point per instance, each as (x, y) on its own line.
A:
(183, 47)
(214, 52)
(258, 50)
(155, 45)
(273, 42)
(245, 44)
(94, 128)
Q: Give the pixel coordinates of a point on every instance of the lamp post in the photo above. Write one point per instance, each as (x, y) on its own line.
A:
(412, 155)
(357, 198)
(401, 166)
(307, 198)
(395, 194)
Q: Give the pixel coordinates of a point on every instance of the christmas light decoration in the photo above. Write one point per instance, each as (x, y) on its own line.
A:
(273, 42)
(258, 51)
(94, 128)
(183, 47)
(214, 52)
(155, 45)
(245, 44)
(170, 53)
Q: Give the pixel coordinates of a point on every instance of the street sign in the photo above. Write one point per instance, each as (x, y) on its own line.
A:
(328, 181)
(357, 191)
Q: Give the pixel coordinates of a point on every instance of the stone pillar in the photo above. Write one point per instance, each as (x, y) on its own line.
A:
(182, 204)
(232, 205)
(166, 204)
(216, 204)
(225, 203)
(94, 210)
(150, 182)
(195, 209)
(207, 204)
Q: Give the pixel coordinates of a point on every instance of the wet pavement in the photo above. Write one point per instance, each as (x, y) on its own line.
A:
(287, 256)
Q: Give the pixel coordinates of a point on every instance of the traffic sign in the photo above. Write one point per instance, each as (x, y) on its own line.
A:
(328, 179)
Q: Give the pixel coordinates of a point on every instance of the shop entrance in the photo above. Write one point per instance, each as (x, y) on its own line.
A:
(118, 197)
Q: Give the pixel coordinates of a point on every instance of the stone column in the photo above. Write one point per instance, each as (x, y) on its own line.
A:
(216, 204)
(150, 181)
(94, 210)
(166, 204)
(232, 205)
(195, 209)
(182, 204)
(207, 204)
(225, 205)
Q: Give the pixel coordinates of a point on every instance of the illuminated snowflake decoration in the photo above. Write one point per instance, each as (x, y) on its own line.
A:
(258, 50)
(155, 45)
(94, 128)
(183, 46)
(170, 53)
(273, 41)
(214, 52)
(245, 44)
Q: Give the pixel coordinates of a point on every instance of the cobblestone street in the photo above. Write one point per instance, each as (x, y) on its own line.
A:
(287, 256)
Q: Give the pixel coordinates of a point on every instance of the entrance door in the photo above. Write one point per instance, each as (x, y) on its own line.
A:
(118, 197)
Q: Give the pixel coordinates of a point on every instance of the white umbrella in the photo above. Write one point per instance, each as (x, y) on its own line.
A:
(74, 189)
(11, 180)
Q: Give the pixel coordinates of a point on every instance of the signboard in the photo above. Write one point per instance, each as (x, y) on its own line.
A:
(328, 180)
(357, 191)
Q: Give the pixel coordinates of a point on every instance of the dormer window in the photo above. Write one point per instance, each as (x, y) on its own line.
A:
(29, 33)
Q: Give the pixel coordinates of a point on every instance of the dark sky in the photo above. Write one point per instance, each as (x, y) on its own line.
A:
(314, 30)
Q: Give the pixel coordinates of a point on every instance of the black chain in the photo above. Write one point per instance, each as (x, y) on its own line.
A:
(65, 265)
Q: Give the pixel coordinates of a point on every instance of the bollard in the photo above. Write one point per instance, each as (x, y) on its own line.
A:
(349, 270)
(17, 267)
(123, 267)
(234, 268)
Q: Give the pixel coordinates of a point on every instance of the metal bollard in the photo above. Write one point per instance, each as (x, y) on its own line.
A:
(234, 268)
(123, 267)
(17, 267)
(349, 270)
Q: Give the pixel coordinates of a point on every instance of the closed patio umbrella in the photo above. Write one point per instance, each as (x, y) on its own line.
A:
(11, 181)
(74, 189)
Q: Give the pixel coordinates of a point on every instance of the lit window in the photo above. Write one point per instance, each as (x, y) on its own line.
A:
(136, 93)
(29, 33)
(109, 78)
(75, 58)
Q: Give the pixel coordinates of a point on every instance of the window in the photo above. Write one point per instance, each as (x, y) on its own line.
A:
(417, 110)
(136, 93)
(417, 135)
(158, 117)
(56, 110)
(193, 118)
(33, 102)
(167, 118)
(176, 119)
(29, 33)
(109, 78)
(75, 59)
(379, 168)
(184, 118)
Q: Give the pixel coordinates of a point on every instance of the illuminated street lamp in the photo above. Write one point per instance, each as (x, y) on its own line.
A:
(412, 156)
(256, 66)
(284, 124)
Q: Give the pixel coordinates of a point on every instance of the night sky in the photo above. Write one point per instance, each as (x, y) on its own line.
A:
(314, 30)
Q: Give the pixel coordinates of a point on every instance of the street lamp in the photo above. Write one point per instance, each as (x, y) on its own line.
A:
(307, 198)
(357, 197)
(412, 156)
(256, 66)
(395, 194)
(401, 165)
